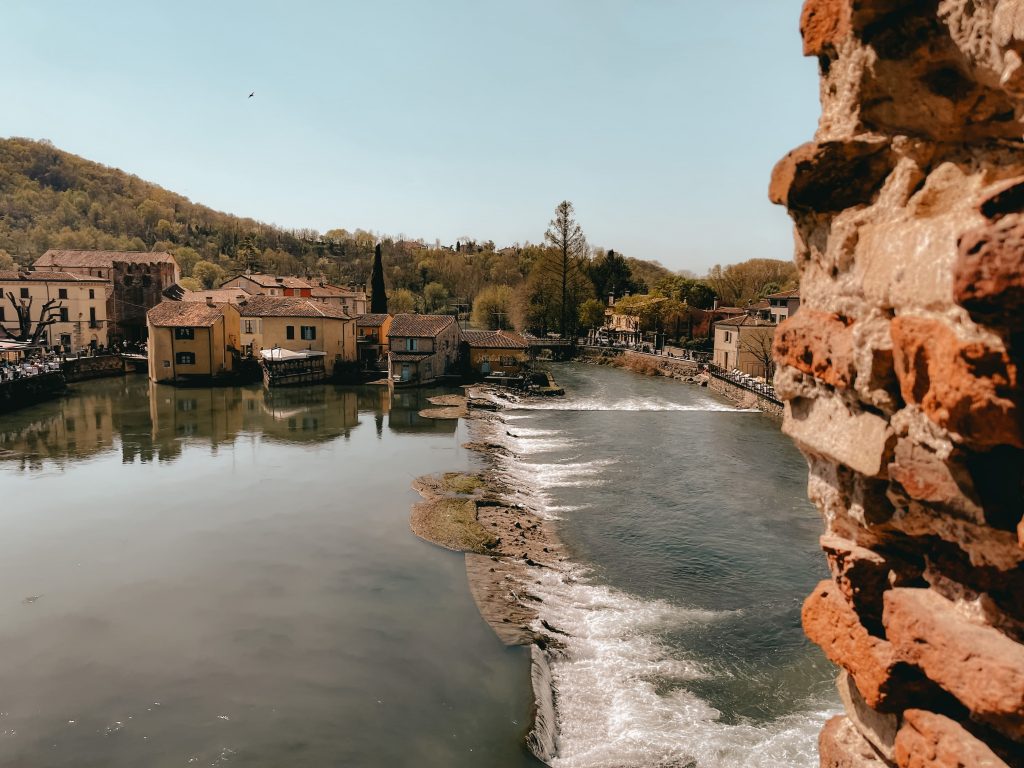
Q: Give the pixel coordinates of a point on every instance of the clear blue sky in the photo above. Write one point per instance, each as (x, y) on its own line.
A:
(660, 120)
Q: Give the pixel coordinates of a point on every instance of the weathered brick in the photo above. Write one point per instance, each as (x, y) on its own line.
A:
(840, 745)
(819, 344)
(824, 24)
(877, 727)
(861, 440)
(831, 175)
(830, 622)
(988, 280)
(966, 387)
(979, 665)
(861, 574)
(926, 477)
(928, 740)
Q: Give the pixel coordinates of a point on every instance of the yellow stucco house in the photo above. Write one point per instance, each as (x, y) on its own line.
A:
(191, 342)
(422, 348)
(297, 323)
(79, 307)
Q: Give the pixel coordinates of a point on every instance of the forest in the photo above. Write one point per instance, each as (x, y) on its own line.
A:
(53, 199)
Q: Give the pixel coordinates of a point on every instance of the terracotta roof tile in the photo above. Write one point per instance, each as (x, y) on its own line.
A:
(49, 277)
(747, 321)
(274, 281)
(184, 314)
(371, 320)
(61, 258)
(289, 306)
(420, 326)
(494, 340)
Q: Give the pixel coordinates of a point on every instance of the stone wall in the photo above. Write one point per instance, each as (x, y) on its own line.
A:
(101, 366)
(900, 373)
(743, 397)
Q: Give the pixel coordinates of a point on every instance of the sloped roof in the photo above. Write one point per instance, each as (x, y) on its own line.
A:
(372, 320)
(494, 340)
(61, 258)
(219, 295)
(420, 326)
(184, 314)
(273, 281)
(794, 294)
(747, 321)
(408, 357)
(48, 277)
(288, 306)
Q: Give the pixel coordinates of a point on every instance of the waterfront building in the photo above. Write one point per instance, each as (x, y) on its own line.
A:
(80, 307)
(487, 353)
(783, 304)
(297, 323)
(744, 343)
(422, 348)
(192, 342)
(137, 281)
(372, 338)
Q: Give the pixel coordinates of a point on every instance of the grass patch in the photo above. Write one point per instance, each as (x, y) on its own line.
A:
(465, 485)
(451, 523)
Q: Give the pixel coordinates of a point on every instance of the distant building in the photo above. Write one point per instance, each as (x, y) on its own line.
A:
(422, 348)
(783, 304)
(372, 339)
(744, 343)
(80, 304)
(352, 301)
(259, 284)
(137, 282)
(296, 323)
(495, 352)
(191, 341)
(216, 295)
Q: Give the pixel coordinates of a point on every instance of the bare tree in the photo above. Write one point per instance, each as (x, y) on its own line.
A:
(48, 315)
(565, 236)
(758, 343)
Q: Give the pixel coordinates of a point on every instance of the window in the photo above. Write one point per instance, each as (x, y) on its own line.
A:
(185, 358)
(249, 326)
(62, 293)
(728, 336)
(186, 334)
(92, 317)
(411, 345)
(92, 293)
(24, 293)
(1, 314)
(289, 331)
(63, 314)
(308, 332)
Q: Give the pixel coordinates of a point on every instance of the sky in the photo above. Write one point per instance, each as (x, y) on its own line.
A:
(659, 119)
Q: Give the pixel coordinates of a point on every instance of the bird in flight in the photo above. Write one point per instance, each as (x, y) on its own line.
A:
(252, 94)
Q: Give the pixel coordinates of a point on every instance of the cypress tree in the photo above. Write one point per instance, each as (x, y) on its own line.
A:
(378, 298)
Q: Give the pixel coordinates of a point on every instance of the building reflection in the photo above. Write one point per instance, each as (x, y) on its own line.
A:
(150, 422)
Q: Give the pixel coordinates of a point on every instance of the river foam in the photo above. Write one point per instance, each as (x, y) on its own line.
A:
(618, 694)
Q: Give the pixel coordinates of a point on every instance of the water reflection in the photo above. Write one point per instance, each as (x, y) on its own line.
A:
(151, 422)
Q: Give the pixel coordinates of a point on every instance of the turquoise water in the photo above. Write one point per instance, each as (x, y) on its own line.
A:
(197, 577)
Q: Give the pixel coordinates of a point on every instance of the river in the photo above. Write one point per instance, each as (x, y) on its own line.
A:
(207, 577)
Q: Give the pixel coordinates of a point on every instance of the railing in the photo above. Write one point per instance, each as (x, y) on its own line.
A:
(745, 382)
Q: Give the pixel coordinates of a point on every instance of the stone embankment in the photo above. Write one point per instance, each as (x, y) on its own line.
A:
(85, 368)
(901, 374)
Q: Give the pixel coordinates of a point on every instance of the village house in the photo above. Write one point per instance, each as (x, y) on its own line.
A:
(352, 301)
(295, 323)
(79, 308)
(744, 343)
(137, 281)
(191, 342)
(216, 295)
(422, 348)
(489, 353)
(372, 338)
(259, 284)
(783, 304)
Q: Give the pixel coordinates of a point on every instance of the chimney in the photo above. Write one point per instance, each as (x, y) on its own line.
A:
(209, 301)
(611, 299)
(715, 305)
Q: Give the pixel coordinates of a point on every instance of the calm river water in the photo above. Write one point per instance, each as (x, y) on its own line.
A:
(207, 577)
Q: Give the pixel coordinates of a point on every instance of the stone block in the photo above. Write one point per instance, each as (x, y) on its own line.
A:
(831, 175)
(819, 344)
(840, 745)
(929, 740)
(967, 387)
(988, 279)
(830, 622)
(861, 440)
(877, 727)
(824, 24)
(925, 476)
(979, 665)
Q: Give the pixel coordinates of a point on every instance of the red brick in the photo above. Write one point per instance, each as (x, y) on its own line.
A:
(965, 387)
(824, 24)
(819, 344)
(928, 740)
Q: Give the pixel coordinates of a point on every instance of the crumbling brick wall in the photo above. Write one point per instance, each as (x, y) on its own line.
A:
(900, 373)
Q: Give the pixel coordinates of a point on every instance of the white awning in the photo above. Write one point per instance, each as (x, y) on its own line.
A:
(279, 353)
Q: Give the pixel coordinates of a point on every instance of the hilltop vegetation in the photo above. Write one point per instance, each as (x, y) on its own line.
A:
(53, 199)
